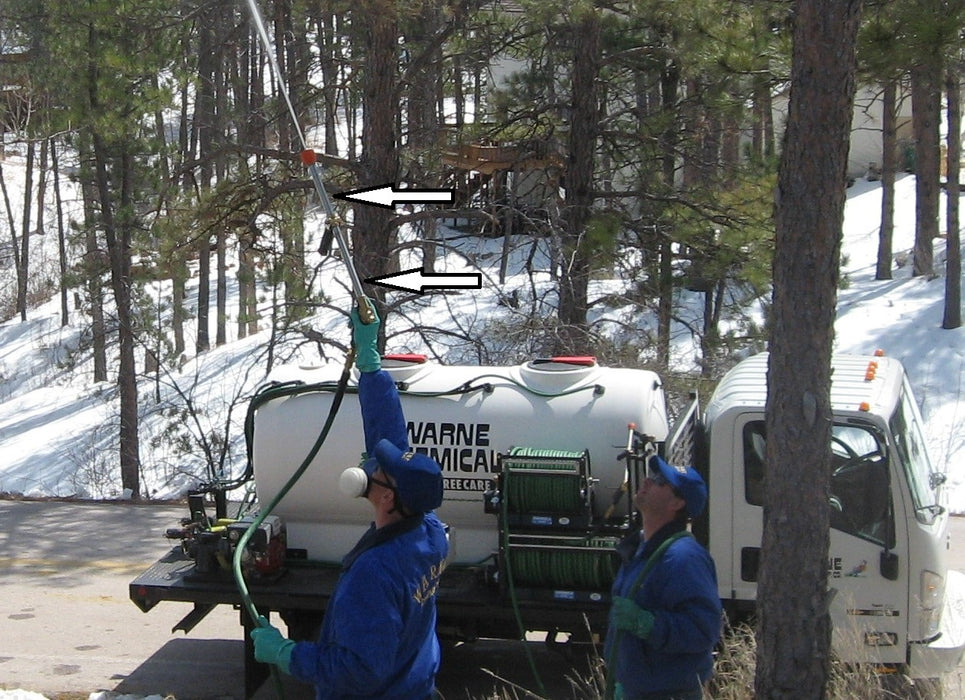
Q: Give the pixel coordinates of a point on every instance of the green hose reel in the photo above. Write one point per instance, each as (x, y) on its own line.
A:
(550, 482)
(562, 563)
(550, 543)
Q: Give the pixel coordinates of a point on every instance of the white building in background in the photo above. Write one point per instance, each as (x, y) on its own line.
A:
(866, 155)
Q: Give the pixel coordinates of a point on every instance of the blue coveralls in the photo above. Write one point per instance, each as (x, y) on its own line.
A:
(378, 637)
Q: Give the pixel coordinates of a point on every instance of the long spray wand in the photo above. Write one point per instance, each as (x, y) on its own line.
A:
(366, 314)
(365, 309)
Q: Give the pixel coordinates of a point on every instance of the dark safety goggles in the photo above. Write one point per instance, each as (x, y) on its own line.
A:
(658, 479)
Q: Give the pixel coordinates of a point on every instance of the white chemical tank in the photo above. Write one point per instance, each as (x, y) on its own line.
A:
(462, 416)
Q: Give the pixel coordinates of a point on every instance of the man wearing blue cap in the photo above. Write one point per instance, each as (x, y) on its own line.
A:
(378, 637)
(666, 615)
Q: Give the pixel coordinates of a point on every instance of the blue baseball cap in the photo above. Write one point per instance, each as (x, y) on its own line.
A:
(418, 478)
(686, 482)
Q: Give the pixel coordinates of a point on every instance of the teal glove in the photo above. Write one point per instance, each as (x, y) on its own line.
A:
(366, 341)
(271, 647)
(630, 617)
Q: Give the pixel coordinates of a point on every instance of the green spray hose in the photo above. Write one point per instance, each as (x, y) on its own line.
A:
(513, 599)
(246, 600)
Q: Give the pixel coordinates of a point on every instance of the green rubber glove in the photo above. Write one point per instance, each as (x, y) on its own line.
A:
(630, 617)
(366, 340)
(271, 647)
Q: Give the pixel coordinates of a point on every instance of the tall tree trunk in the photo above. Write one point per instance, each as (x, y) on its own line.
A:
(423, 115)
(117, 222)
(247, 296)
(61, 235)
(203, 334)
(669, 90)
(584, 123)
(221, 87)
(94, 267)
(330, 57)
(794, 627)
(952, 317)
(117, 231)
(42, 187)
(205, 125)
(179, 279)
(14, 243)
(221, 289)
(889, 167)
(291, 49)
(374, 237)
(926, 102)
(24, 256)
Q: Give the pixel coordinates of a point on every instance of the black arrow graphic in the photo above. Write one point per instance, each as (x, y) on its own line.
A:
(387, 196)
(418, 281)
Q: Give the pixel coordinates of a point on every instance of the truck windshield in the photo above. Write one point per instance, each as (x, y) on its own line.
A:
(923, 481)
(859, 492)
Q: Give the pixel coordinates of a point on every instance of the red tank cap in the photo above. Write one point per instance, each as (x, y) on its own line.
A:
(579, 360)
(409, 358)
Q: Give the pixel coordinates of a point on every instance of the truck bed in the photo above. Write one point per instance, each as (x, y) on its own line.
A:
(173, 577)
(469, 606)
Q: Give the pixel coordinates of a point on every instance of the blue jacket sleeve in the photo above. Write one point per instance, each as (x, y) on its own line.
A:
(382, 416)
(358, 654)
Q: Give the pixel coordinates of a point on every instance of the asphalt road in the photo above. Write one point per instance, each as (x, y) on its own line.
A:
(67, 625)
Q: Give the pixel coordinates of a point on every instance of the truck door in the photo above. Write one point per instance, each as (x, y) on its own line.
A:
(868, 608)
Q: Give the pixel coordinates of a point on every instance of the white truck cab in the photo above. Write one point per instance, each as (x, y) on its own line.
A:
(896, 602)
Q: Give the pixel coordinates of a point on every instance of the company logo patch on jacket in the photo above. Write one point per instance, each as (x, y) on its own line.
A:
(429, 584)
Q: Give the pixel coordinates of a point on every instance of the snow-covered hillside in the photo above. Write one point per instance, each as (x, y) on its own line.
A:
(57, 428)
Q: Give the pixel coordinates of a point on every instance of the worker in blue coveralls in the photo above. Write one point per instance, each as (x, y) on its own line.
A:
(378, 637)
(665, 618)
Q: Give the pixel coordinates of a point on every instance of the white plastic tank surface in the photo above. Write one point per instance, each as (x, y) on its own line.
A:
(549, 405)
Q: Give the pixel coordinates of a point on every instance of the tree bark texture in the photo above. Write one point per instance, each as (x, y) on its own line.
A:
(373, 233)
(794, 628)
(889, 166)
(584, 118)
(952, 316)
(926, 105)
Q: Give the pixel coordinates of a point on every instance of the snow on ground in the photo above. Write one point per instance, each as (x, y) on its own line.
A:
(903, 317)
(57, 426)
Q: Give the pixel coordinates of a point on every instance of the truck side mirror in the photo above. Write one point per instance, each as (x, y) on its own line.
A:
(888, 565)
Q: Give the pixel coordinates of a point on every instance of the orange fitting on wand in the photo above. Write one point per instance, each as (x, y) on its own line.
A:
(308, 157)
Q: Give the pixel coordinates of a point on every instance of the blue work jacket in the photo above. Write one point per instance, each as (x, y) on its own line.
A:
(681, 592)
(378, 638)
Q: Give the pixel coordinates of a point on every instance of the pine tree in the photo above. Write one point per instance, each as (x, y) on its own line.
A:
(118, 50)
(794, 628)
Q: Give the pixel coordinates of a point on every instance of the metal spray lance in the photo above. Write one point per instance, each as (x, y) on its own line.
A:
(365, 309)
(366, 312)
